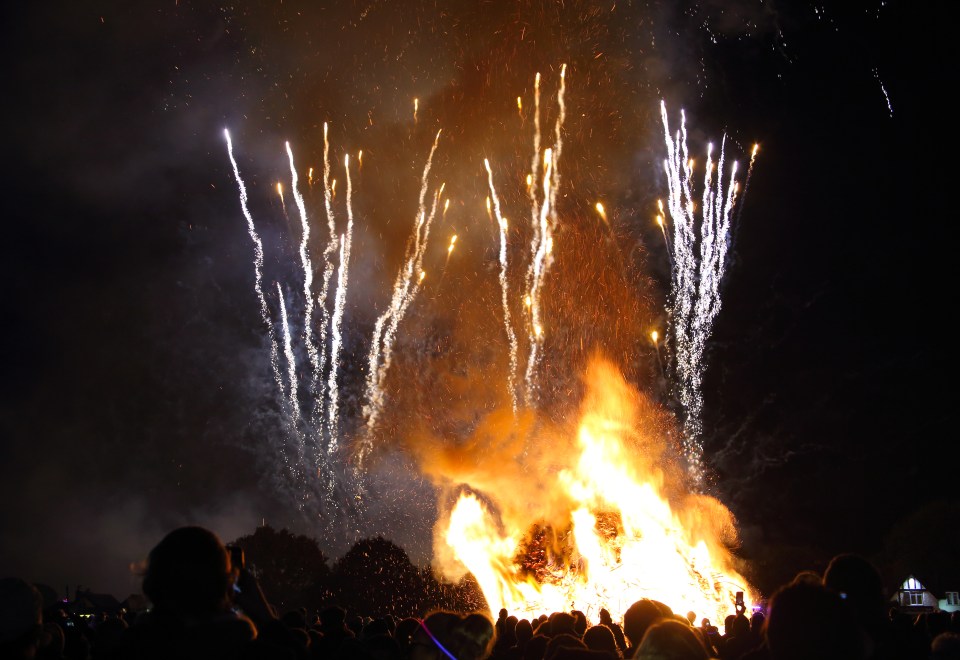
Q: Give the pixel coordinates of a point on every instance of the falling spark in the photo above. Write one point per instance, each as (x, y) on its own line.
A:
(283, 204)
(416, 107)
(339, 303)
(602, 212)
(504, 284)
(695, 286)
(310, 177)
(360, 159)
(453, 242)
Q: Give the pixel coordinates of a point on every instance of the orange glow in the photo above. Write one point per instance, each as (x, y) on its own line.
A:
(585, 519)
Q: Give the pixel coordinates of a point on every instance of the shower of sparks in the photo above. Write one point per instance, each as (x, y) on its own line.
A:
(404, 292)
(339, 302)
(543, 219)
(308, 433)
(504, 284)
(698, 263)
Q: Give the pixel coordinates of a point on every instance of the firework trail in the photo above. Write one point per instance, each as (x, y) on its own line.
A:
(504, 285)
(404, 291)
(258, 271)
(543, 219)
(312, 355)
(699, 252)
(292, 395)
(331, 249)
(342, 277)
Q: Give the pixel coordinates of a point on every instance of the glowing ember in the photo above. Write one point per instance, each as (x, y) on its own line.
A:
(593, 523)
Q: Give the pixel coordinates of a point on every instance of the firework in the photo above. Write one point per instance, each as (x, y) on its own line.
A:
(699, 250)
(404, 292)
(339, 302)
(504, 284)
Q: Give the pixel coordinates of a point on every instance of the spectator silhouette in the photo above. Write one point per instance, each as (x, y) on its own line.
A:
(638, 617)
(20, 619)
(671, 640)
(189, 580)
(464, 637)
(859, 585)
(808, 621)
(600, 638)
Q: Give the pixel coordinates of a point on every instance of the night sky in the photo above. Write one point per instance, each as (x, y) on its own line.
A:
(136, 393)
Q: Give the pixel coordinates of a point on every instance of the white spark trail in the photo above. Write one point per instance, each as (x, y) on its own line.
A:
(338, 310)
(544, 220)
(258, 270)
(312, 355)
(384, 334)
(292, 394)
(504, 286)
(328, 267)
(699, 251)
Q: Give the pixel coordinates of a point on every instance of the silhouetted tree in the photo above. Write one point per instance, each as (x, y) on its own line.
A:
(291, 568)
(376, 578)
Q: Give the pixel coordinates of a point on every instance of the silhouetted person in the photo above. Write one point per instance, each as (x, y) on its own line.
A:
(467, 637)
(20, 619)
(671, 640)
(808, 621)
(334, 630)
(189, 580)
(600, 638)
(638, 617)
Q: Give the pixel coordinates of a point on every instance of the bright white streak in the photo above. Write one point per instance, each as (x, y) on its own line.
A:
(504, 286)
(339, 303)
(257, 270)
(539, 270)
(695, 285)
(307, 276)
(291, 362)
(384, 333)
(331, 249)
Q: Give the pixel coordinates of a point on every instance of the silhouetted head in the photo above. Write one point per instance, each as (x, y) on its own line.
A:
(605, 616)
(638, 618)
(692, 617)
(809, 621)
(858, 582)
(671, 640)
(523, 631)
(20, 617)
(562, 623)
(466, 638)
(600, 638)
(188, 573)
(945, 646)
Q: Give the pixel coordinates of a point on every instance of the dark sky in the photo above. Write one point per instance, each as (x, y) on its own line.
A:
(136, 393)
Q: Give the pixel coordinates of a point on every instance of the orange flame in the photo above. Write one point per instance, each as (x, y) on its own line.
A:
(586, 520)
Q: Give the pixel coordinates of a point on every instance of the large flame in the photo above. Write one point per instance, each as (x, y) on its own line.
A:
(547, 523)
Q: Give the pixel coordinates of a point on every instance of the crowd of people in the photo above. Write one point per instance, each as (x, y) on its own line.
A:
(205, 606)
